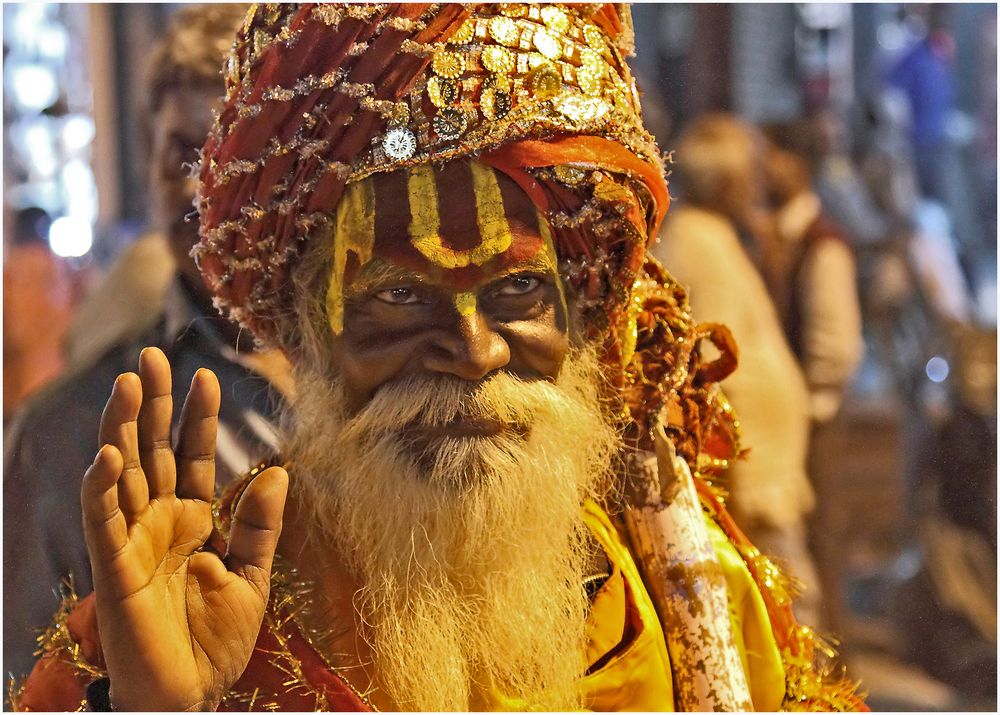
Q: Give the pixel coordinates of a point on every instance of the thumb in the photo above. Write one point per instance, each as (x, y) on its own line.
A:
(256, 527)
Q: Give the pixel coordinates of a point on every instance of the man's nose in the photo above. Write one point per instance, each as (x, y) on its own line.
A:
(469, 349)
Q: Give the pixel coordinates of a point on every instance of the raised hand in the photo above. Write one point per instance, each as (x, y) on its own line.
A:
(178, 625)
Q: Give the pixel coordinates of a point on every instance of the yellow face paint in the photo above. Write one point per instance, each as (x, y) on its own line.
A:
(417, 231)
(353, 232)
(425, 223)
(551, 258)
(465, 303)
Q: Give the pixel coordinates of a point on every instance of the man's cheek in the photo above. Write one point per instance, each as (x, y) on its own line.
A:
(366, 371)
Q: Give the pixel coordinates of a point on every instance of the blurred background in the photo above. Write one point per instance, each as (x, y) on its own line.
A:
(874, 124)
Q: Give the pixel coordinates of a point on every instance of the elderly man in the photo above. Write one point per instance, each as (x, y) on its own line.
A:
(440, 213)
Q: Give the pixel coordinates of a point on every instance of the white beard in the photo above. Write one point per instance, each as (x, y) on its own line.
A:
(472, 550)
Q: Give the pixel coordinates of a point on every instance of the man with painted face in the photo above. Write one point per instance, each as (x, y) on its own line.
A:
(440, 214)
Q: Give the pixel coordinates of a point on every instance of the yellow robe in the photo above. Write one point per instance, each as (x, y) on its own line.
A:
(634, 674)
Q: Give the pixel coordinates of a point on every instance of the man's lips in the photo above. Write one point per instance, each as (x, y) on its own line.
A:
(465, 427)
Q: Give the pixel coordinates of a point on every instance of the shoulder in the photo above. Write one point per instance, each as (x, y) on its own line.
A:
(701, 250)
(688, 228)
(768, 622)
(64, 416)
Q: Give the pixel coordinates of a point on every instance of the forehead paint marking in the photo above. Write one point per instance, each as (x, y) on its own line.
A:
(465, 303)
(353, 231)
(549, 247)
(425, 222)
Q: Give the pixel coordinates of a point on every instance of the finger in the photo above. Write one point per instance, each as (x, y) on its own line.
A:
(104, 527)
(257, 526)
(155, 454)
(196, 445)
(118, 428)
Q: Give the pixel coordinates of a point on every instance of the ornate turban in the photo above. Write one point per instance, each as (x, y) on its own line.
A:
(319, 97)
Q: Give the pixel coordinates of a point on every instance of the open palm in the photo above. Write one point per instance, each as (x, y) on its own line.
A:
(178, 624)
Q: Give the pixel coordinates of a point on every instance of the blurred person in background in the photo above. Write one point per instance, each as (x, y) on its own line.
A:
(924, 318)
(925, 76)
(822, 140)
(947, 605)
(914, 290)
(810, 269)
(809, 265)
(718, 172)
(153, 296)
(38, 298)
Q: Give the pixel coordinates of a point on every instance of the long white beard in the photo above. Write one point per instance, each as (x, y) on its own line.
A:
(472, 550)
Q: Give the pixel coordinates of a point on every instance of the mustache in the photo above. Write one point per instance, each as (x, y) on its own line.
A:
(424, 401)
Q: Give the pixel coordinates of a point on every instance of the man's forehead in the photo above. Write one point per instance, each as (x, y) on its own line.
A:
(458, 225)
(461, 215)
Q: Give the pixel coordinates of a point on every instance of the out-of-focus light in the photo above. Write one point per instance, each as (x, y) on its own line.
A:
(824, 15)
(890, 36)
(52, 41)
(78, 177)
(35, 86)
(81, 191)
(70, 237)
(937, 369)
(27, 17)
(39, 150)
(77, 133)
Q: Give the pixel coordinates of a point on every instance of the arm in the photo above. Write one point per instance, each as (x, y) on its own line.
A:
(831, 322)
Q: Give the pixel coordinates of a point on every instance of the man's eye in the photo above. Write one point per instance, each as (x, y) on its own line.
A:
(398, 296)
(518, 285)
